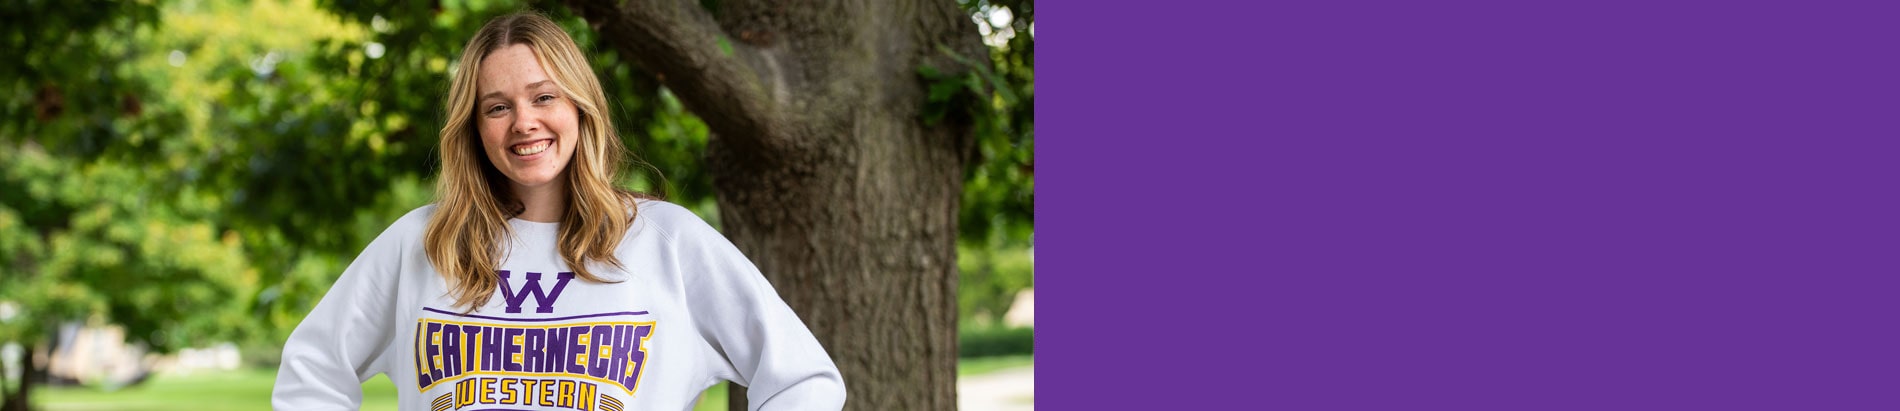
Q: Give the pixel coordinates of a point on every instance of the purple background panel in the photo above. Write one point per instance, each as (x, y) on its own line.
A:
(1470, 206)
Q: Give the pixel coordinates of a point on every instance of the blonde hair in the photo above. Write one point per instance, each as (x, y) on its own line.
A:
(465, 236)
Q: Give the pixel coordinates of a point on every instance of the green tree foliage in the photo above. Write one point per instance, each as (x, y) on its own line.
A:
(998, 216)
(65, 84)
(113, 207)
(125, 253)
(1000, 191)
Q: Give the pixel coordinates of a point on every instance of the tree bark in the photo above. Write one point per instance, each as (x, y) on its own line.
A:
(19, 399)
(6, 393)
(824, 171)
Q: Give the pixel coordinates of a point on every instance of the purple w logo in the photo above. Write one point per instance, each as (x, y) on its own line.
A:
(544, 301)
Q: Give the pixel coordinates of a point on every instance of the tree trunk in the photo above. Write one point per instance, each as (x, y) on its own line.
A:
(825, 173)
(6, 392)
(19, 399)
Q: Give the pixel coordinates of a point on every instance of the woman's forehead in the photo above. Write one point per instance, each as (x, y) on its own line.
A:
(511, 69)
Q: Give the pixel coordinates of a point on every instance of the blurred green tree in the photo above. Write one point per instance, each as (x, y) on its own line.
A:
(998, 211)
(127, 149)
(83, 236)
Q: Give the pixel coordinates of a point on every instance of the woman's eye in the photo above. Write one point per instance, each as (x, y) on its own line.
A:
(496, 109)
(544, 98)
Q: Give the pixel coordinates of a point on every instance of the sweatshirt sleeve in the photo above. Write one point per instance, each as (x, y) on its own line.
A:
(335, 349)
(766, 348)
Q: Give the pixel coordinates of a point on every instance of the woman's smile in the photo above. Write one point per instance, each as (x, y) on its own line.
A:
(532, 147)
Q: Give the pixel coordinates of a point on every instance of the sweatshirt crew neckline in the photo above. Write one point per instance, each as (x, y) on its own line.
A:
(526, 225)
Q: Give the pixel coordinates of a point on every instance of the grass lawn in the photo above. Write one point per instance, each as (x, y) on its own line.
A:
(245, 389)
(984, 365)
(249, 389)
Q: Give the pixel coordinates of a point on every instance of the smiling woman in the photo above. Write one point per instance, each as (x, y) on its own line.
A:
(523, 114)
(523, 80)
(650, 298)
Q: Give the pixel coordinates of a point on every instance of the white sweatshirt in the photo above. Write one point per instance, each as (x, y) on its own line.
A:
(690, 312)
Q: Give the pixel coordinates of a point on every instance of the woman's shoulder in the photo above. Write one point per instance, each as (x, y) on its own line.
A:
(671, 220)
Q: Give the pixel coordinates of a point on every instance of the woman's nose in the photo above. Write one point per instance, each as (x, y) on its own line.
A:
(526, 123)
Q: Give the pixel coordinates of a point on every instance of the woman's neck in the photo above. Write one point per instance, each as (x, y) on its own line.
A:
(544, 204)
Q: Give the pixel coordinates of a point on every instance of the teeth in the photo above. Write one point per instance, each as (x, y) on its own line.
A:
(530, 149)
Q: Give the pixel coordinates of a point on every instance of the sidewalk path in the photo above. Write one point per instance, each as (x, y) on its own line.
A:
(1004, 390)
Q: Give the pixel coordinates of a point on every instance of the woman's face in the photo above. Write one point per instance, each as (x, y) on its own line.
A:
(528, 127)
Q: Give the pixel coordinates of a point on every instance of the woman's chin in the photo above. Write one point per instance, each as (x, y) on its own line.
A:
(533, 181)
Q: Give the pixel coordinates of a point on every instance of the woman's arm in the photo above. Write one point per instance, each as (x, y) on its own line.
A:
(335, 349)
(768, 349)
